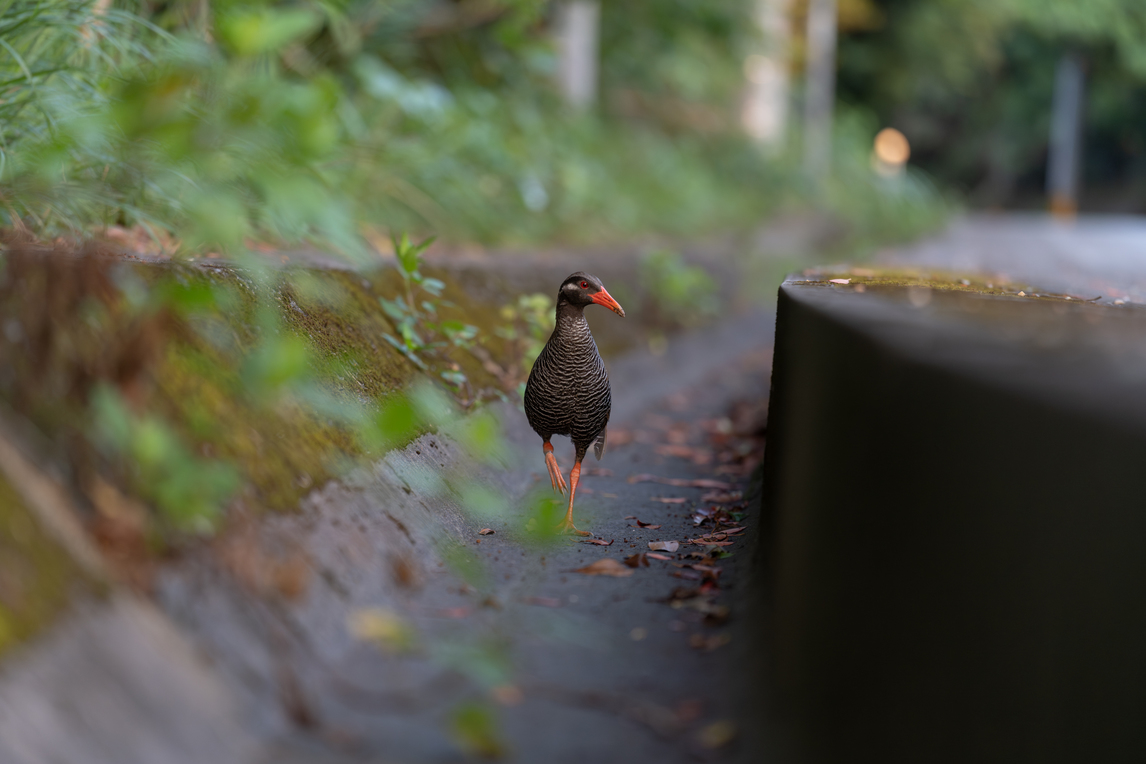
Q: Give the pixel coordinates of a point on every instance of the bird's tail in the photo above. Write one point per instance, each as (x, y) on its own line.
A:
(599, 446)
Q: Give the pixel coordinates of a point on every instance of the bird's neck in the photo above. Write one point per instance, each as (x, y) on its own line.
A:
(571, 324)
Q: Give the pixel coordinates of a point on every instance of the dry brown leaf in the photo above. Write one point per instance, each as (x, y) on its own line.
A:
(543, 601)
(711, 543)
(485, 532)
(656, 556)
(605, 567)
(664, 546)
(597, 542)
(455, 612)
(722, 497)
(669, 499)
(701, 642)
(637, 560)
(701, 483)
(650, 526)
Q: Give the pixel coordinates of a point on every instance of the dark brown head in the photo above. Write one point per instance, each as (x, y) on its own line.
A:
(581, 289)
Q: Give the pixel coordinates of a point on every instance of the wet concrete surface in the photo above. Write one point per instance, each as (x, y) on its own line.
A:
(571, 667)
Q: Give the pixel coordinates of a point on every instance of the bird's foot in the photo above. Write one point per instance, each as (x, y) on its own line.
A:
(567, 526)
(555, 476)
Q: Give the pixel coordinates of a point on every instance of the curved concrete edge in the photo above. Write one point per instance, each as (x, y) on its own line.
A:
(955, 551)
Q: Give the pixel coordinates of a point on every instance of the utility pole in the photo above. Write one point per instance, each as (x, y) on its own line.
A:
(764, 115)
(1066, 137)
(819, 87)
(577, 25)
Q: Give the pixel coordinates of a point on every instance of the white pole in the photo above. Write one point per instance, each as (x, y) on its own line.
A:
(764, 115)
(577, 23)
(820, 87)
(1066, 137)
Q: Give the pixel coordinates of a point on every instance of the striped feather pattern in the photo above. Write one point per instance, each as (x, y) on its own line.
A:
(568, 389)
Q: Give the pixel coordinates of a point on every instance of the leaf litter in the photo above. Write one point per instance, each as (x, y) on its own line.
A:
(681, 482)
(606, 566)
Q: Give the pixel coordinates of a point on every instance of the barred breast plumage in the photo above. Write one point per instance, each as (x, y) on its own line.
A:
(568, 390)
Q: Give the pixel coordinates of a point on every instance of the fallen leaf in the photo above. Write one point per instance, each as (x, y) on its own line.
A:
(664, 546)
(717, 734)
(650, 526)
(605, 567)
(840, 281)
(485, 532)
(507, 694)
(656, 556)
(689, 575)
(680, 482)
(669, 499)
(732, 531)
(597, 542)
(708, 644)
(637, 560)
(384, 628)
(455, 612)
(543, 601)
(629, 517)
(696, 455)
(711, 543)
(722, 497)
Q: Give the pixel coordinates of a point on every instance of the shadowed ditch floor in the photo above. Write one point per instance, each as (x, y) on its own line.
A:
(349, 632)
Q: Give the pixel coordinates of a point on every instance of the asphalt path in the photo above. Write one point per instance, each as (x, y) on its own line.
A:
(1091, 256)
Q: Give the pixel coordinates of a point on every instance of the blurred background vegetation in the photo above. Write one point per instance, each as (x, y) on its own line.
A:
(329, 122)
(970, 83)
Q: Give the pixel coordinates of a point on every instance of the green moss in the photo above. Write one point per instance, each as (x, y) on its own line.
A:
(282, 447)
(36, 576)
(193, 367)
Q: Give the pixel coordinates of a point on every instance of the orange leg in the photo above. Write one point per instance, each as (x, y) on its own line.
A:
(554, 471)
(567, 525)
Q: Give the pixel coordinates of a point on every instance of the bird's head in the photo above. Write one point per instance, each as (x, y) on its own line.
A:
(582, 289)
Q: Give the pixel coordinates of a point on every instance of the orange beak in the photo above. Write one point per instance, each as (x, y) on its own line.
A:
(606, 299)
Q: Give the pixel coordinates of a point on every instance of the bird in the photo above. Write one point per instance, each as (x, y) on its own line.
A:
(568, 389)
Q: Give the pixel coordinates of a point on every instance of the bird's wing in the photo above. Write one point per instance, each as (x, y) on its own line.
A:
(599, 446)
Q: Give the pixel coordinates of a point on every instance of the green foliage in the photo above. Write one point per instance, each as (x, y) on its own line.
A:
(411, 314)
(473, 726)
(685, 293)
(528, 326)
(188, 491)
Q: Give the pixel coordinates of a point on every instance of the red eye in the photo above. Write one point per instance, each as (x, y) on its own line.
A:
(584, 284)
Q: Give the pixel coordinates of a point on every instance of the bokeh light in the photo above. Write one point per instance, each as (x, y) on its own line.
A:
(891, 147)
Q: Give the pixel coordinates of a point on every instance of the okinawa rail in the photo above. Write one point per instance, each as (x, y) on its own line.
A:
(568, 389)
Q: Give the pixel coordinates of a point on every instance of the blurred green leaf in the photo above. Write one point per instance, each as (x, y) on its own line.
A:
(474, 728)
(266, 30)
(281, 361)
